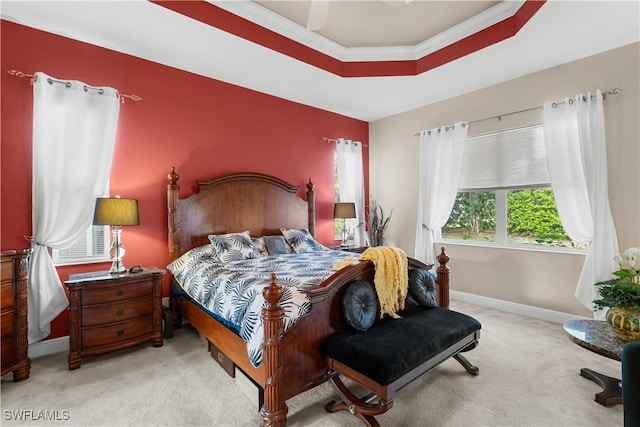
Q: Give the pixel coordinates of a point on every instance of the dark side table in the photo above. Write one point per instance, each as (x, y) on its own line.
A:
(112, 311)
(598, 336)
(354, 249)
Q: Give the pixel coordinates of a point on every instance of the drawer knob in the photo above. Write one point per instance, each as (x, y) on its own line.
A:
(119, 292)
(120, 312)
(120, 332)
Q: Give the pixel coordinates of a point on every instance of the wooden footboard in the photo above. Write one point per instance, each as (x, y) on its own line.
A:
(291, 363)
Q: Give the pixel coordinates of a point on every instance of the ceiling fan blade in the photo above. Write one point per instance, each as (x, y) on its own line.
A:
(317, 14)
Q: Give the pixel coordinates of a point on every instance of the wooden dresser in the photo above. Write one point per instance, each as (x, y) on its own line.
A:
(15, 270)
(111, 312)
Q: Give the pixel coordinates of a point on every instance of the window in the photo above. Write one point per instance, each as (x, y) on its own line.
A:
(93, 246)
(349, 188)
(505, 196)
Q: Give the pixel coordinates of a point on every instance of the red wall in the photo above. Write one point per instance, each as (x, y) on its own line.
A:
(201, 126)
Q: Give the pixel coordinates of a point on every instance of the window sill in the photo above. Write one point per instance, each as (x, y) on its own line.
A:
(67, 263)
(530, 248)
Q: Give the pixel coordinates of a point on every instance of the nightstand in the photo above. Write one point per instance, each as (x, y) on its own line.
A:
(356, 249)
(110, 312)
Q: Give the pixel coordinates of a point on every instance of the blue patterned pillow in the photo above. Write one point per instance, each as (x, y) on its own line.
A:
(261, 245)
(234, 246)
(301, 240)
(181, 266)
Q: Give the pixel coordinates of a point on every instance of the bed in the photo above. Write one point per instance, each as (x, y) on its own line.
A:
(260, 204)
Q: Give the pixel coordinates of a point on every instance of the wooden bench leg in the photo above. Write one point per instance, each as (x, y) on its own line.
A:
(472, 369)
(360, 407)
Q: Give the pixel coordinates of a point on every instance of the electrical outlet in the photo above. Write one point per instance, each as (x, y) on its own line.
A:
(165, 302)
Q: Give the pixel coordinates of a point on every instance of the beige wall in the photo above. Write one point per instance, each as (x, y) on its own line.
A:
(535, 278)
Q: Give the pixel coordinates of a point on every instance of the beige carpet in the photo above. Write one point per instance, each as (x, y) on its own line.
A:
(529, 376)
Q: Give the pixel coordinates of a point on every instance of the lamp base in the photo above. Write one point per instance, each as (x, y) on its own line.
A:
(345, 238)
(117, 252)
(117, 267)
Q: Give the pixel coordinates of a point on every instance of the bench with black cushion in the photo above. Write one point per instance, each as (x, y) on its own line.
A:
(390, 353)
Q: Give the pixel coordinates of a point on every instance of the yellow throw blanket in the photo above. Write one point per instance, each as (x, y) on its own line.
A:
(391, 278)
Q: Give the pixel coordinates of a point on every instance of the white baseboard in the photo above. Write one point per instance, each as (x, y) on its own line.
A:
(513, 307)
(46, 347)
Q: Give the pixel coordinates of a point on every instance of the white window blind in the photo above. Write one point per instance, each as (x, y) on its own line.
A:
(505, 160)
(91, 247)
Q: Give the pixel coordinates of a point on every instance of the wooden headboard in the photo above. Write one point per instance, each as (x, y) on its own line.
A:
(233, 203)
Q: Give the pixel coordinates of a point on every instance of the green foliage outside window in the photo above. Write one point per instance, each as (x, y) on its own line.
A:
(532, 218)
(472, 216)
(532, 213)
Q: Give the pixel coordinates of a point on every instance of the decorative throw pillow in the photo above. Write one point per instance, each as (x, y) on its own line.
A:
(260, 245)
(276, 245)
(234, 246)
(180, 267)
(360, 305)
(301, 240)
(422, 287)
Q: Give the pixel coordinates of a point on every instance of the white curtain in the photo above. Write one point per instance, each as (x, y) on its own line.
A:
(574, 135)
(351, 184)
(74, 129)
(441, 158)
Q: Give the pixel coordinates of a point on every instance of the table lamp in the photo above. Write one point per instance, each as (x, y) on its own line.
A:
(116, 212)
(344, 210)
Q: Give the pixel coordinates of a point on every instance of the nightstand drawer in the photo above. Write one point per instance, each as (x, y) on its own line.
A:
(7, 324)
(6, 271)
(117, 293)
(6, 295)
(116, 333)
(116, 312)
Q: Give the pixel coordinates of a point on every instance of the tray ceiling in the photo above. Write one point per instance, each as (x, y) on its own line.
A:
(366, 68)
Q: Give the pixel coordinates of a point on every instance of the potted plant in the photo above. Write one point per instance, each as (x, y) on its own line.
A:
(621, 295)
(377, 224)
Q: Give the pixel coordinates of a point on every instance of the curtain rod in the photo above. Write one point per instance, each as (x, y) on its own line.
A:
(122, 96)
(499, 117)
(329, 140)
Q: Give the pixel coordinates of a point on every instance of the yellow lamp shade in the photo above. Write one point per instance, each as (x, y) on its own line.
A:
(116, 211)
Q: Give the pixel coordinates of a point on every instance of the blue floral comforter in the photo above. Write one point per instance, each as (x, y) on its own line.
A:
(232, 291)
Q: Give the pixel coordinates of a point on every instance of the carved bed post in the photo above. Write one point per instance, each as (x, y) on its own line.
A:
(173, 203)
(443, 277)
(311, 201)
(274, 410)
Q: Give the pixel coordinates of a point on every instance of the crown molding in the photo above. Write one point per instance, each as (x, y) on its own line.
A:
(481, 21)
(252, 11)
(270, 20)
